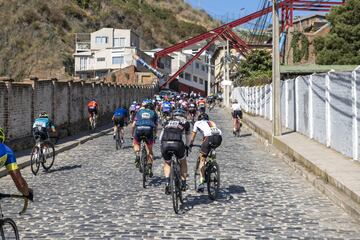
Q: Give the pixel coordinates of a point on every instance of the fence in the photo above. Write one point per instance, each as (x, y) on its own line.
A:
(65, 102)
(324, 107)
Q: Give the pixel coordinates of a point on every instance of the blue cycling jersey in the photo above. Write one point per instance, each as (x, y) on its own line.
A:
(146, 117)
(7, 158)
(166, 107)
(43, 122)
(121, 112)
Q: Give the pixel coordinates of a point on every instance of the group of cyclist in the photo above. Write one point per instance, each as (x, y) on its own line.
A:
(177, 115)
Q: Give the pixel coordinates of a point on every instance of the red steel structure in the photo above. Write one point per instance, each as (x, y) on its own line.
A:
(225, 32)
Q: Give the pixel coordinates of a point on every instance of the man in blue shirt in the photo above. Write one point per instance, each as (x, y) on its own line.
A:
(120, 118)
(8, 159)
(145, 125)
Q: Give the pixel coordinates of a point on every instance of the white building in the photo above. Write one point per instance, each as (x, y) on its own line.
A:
(195, 76)
(105, 50)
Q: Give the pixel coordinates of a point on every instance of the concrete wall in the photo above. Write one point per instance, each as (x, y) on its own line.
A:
(64, 101)
(324, 107)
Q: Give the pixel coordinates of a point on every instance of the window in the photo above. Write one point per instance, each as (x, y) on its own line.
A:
(188, 76)
(195, 78)
(197, 65)
(201, 81)
(119, 42)
(101, 40)
(203, 68)
(83, 63)
(118, 60)
(100, 59)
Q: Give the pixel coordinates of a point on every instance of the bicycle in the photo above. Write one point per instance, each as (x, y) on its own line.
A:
(8, 228)
(238, 128)
(175, 182)
(93, 121)
(43, 152)
(212, 174)
(143, 168)
(118, 138)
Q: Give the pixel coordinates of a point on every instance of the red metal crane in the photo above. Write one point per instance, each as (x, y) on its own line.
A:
(225, 32)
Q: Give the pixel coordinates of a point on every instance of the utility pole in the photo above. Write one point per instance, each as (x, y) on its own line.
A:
(276, 87)
(209, 75)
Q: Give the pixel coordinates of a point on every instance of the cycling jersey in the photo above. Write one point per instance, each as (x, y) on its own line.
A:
(92, 105)
(44, 123)
(207, 128)
(166, 107)
(236, 107)
(7, 158)
(120, 112)
(146, 117)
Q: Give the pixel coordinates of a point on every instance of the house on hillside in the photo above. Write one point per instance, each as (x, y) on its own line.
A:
(301, 36)
(109, 52)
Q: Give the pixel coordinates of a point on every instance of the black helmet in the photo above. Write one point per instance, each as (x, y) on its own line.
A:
(203, 116)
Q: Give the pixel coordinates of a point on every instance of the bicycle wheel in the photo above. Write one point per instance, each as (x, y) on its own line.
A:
(48, 155)
(143, 163)
(213, 179)
(8, 229)
(174, 188)
(196, 175)
(117, 141)
(35, 159)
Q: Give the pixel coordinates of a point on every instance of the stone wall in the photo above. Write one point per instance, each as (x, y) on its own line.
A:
(324, 107)
(64, 101)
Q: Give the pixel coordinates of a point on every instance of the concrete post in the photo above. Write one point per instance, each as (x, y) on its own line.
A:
(355, 135)
(297, 104)
(276, 73)
(271, 102)
(310, 107)
(327, 109)
(286, 103)
(7, 104)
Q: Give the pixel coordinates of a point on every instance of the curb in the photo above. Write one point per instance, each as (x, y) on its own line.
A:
(25, 160)
(319, 178)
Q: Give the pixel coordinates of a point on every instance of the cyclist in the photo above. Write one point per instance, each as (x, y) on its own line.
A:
(41, 127)
(92, 109)
(165, 109)
(171, 140)
(192, 109)
(211, 101)
(237, 115)
(120, 119)
(145, 125)
(132, 110)
(8, 159)
(211, 139)
(201, 105)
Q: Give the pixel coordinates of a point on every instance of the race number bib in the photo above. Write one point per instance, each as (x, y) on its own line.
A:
(215, 131)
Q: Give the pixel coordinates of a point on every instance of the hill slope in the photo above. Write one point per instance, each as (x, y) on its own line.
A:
(38, 36)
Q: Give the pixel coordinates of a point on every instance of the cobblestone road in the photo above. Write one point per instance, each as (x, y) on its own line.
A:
(94, 192)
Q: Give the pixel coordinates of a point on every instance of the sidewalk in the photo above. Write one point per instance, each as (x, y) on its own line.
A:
(64, 144)
(331, 172)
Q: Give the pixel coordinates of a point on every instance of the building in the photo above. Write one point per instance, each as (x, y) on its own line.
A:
(311, 27)
(195, 76)
(108, 49)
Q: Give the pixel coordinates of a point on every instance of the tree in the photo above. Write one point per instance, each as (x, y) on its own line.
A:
(342, 45)
(255, 69)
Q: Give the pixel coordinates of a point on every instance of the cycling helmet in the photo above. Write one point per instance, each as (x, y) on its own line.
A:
(43, 115)
(203, 116)
(2, 135)
(179, 112)
(134, 102)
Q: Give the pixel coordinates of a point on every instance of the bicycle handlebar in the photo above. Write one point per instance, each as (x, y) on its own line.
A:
(26, 200)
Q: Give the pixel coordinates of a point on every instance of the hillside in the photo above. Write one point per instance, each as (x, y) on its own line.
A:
(37, 37)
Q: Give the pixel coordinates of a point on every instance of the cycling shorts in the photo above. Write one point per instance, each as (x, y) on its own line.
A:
(144, 131)
(40, 134)
(92, 111)
(119, 121)
(237, 114)
(211, 142)
(168, 148)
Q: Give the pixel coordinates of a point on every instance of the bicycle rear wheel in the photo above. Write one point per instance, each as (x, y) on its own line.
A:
(213, 180)
(196, 175)
(117, 141)
(35, 160)
(48, 155)
(143, 165)
(8, 229)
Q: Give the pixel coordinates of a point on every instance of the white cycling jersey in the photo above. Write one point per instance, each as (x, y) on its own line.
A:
(207, 128)
(236, 107)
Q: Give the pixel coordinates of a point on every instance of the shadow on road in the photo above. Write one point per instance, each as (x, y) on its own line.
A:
(246, 135)
(65, 168)
(225, 195)
(157, 181)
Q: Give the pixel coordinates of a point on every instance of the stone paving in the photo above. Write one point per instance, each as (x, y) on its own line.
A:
(94, 192)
